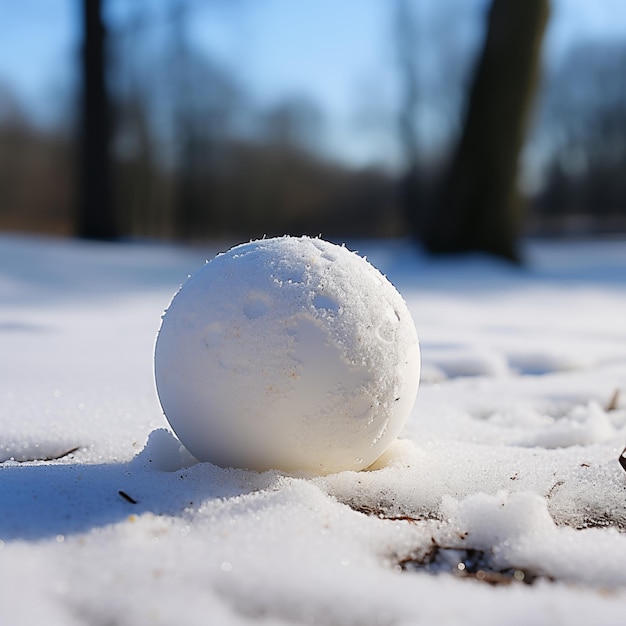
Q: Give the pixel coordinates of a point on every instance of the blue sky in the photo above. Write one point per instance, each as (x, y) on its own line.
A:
(338, 52)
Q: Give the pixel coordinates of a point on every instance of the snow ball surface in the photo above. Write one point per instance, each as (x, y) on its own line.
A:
(290, 353)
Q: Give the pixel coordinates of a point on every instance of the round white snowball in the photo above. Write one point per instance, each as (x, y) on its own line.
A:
(289, 353)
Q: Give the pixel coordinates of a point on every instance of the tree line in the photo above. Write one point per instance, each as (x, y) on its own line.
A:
(164, 154)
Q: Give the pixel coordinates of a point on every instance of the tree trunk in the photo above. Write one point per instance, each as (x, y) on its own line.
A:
(96, 215)
(405, 36)
(479, 207)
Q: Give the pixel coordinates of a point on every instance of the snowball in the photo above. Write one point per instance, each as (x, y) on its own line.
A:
(288, 353)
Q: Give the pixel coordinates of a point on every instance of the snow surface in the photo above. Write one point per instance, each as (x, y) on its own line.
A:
(507, 472)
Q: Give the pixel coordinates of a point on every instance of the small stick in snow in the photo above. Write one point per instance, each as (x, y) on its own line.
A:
(50, 457)
(127, 497)
(554, 487)
(613, 402)
(62, 454)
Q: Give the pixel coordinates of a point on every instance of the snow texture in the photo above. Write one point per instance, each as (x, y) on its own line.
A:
(288, 353)
(503, 501)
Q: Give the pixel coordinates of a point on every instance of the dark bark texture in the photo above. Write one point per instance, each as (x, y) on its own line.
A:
(479, 208)
(96, 217)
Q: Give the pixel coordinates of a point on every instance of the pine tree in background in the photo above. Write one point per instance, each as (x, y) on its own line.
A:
(479, 207)
(96, 217)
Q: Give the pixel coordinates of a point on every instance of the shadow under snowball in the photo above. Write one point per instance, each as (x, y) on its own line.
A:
(47, 500)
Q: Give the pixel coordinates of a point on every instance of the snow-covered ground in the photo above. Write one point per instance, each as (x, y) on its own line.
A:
(503, 503)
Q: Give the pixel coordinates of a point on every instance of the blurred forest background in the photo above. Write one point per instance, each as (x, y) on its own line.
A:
(198, 148)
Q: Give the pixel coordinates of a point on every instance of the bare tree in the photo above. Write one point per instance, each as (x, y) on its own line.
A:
(405, 31)
(479, 210)
(585, 120)
(96, 217)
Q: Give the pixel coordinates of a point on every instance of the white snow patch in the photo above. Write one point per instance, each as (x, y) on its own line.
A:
(511, 453)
